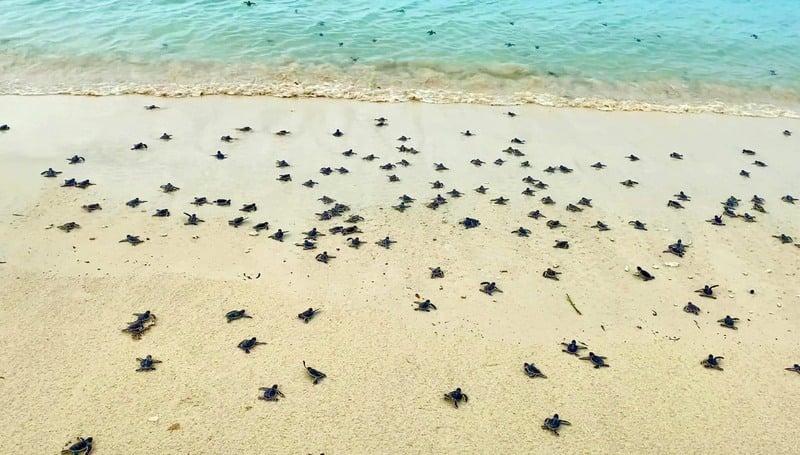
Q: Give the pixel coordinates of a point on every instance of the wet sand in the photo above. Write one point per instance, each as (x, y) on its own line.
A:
(69, 371)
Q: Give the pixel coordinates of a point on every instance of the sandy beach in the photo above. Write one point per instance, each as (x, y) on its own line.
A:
(69, 371)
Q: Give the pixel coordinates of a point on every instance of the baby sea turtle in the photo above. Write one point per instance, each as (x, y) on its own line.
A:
(677, 248)
(481, 189)
(165, 137)
(132, 239)
(540, 185)
(467, 133)
(629, 183)
(550, 169)
(387, 166)
(691, 308)
(729, 322)
(139, 146)
(326, 200)
(585, 202)
(386, 242)
(712, 362)
(744, 173)
(137, 329)
(314, 373)
(162, 213)
(152, 107)
(83, 184)
(547, 200)
(406, 198)
(598, 165)
(716, 220)
(552, 224)
(394, 178)
(707, 291)
(573, 347)
(83, 446)
(313, 234)
(404, 163)
(248, 344)
(437, 185)
(573, 208)
(759, 208)
(638, 225)
(310, 183)
(511, 114)
(236, 222)
(307, 245)
(533, 372)
(324, 257)
(147, 316)
(564, 169)
(525, 164)
(440, 167)
(219, 155)
(553, 424)
(92, 207)
(470, 223)
(681, 196)
(355, 242)
(632, 157)
(245, 129)
(222, 202)
(517, 140)
(237, 314)
(748, 217)
(522, 232)
(601, 226)
(528, 191)
(551, 274)
(789, 198)
(477, 162)
(795, 368)
(337, 133)
(597, 360)
(783, 238)
(561, 244)
(68, 227)
(227, 138)
(147, 363)
(456, 395)
(674, 204)
(425, 306)
(308, 314)
(271, 393)
(284, 178)
(500, 200)
(436, 272)
(758, 199)
(69, 183)
(644, 274)
(489, 287)
(535, 214)
(75, 159)
(403, 138)
(281, 163)
(169, 188)
(759, 163)
(748, 152)
(499, 161)
(283, 133)
(278, 235)
(200, 201)
(454, 193)
(261, 226)
(676, 155)
(50, 172)
(248, 208)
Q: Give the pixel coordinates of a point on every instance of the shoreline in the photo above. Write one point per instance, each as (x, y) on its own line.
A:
(67, 295)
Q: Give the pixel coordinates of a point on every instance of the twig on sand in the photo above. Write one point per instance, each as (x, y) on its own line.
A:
(573, 305)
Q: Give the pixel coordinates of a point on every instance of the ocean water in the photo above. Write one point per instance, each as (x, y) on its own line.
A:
(732, 56)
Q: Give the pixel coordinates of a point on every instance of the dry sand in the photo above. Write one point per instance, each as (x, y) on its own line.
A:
(68, 370)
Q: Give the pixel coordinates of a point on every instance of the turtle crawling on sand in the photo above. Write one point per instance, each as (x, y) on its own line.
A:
(712, 362)
(132, 239)
(455, 396)
(83, 446)
(308, 314)
(691, 308)
(436, 272)
(314, 373)
(597, 360)
(147, 363)
(553, 424)
(233, 315)
(271, 393)
(248, 344)
(533, 372)
(573, 347)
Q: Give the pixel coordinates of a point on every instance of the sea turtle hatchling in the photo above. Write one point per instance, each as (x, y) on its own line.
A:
(192, 219)
(707, 291)
(644, 274)
(489, 287)
(729, 322)
(522, 232)
(783, 238)
(638, 225)
(691, 308)
(553, 424)
(161, 213)
(132, 239)
(573, 347)
(68, 227)
(629, 183)
(456, 396)
(794, 368)
(234, 315)
(386, 242)
(552, 224)
(278, 235)
(314, 373)
(533, 372)
(678, 248)
(308, 314)
(147, 363)
(50, 172)
(75, 159)
(470, 223)
(238, 221)
(247, 344)
(601, 226)
(271, 393)
(324, 257)
(551, 274)
(712, 362)
(597, 360)
(425, 306)
(137, 329)
(92, 207)
(83, 446)
(436, 272)
(169, 188)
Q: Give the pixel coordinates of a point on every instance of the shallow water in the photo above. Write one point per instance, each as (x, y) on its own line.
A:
(722, 56)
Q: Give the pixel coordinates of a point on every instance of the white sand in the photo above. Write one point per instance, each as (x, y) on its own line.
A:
(68, 370)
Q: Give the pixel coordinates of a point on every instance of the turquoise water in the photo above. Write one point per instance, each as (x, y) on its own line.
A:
(724, 56)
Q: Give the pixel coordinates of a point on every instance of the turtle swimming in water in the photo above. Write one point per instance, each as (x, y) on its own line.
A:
(169, 188)
(707, 291)
(132, 239)
(597, 360)
(573, 347)
(489, 287)
(314, 373)
(712, 362)
(237, 314)
(553, 424)
(729, 322)
(691, 308)
(248, 344)
(68, 227)
(455, 396)
(601, 226)
(436, 272)
(424, 306)
(644, 274)
(551, 274)
(533, 372)
(50, 172)
(271, 393)
(147, 363)
(83, 446)
(308, 314)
